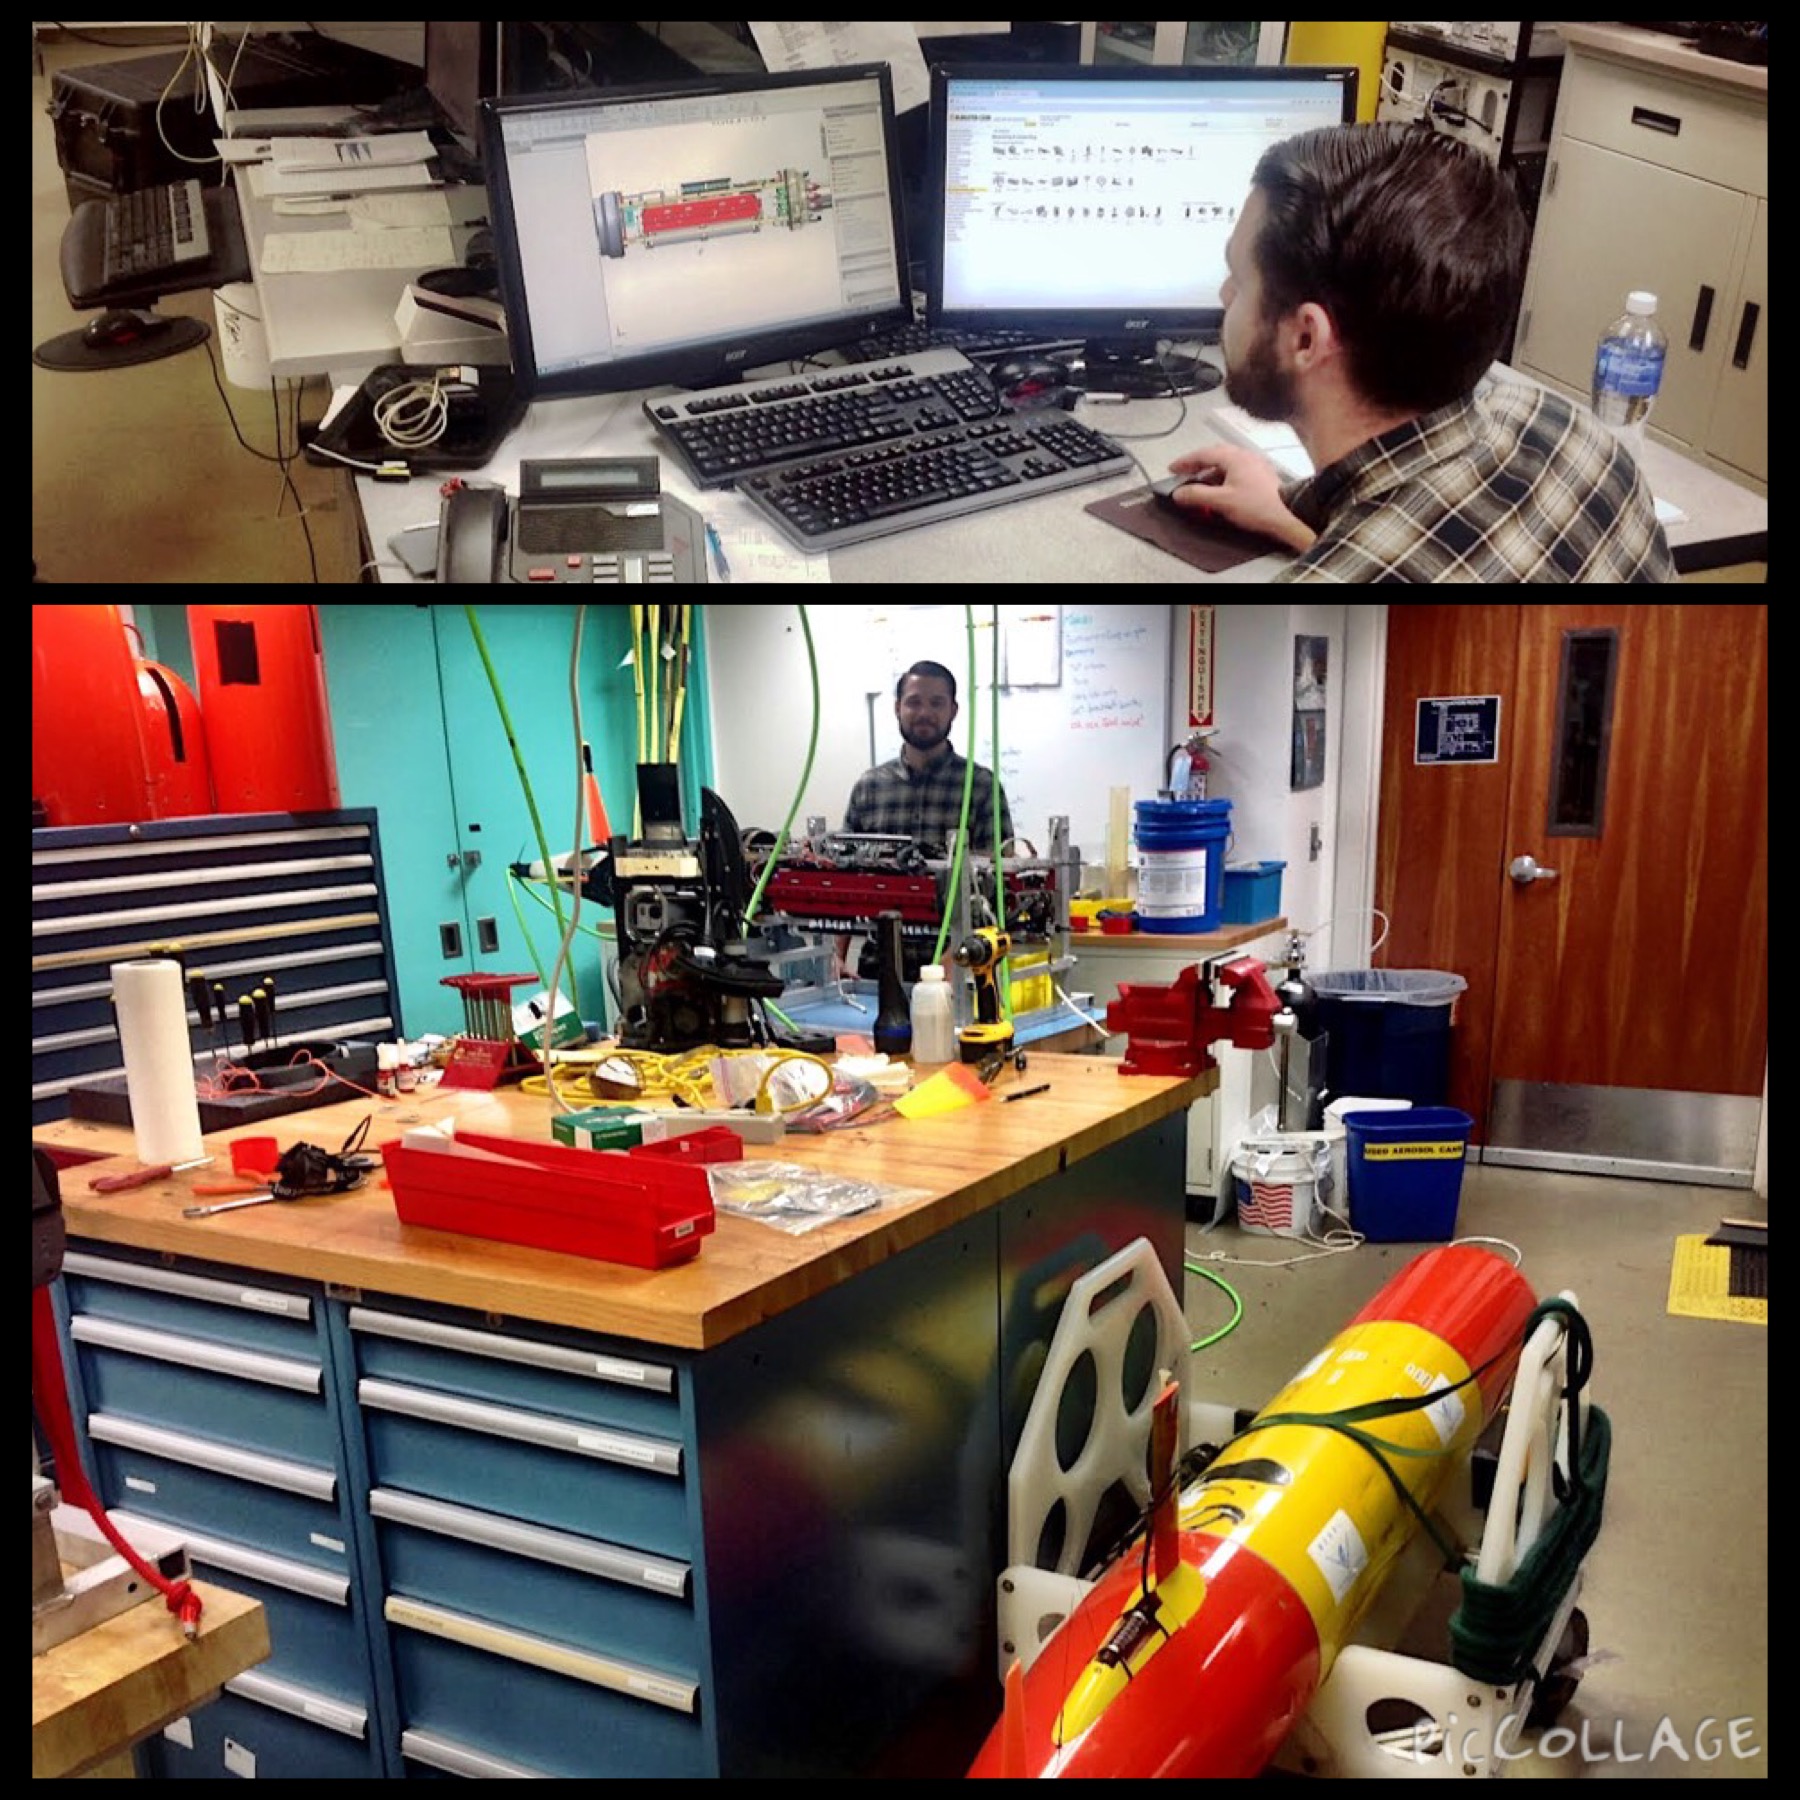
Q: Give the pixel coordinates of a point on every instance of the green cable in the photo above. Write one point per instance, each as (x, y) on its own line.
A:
(799, 792)
(599, 933)
(512, 893)
(1237, 1302)
(537, 824)
(962, 823)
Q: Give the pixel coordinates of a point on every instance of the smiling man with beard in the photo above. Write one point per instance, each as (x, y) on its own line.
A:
(919, 794)
(1373, 272)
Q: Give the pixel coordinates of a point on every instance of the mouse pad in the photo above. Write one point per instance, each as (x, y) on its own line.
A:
(1208, 545)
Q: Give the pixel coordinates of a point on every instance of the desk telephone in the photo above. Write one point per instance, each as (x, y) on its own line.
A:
(581, 519)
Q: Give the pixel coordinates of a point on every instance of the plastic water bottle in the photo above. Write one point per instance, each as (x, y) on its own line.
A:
(1628, 370)
(933, 1017)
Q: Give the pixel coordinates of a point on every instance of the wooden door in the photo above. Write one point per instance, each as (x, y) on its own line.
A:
(1628, 992)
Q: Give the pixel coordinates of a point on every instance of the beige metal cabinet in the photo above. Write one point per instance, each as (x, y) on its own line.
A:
(1658, 179)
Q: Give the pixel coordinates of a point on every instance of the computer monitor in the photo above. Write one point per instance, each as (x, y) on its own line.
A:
(462, 68)
(688, 232)
(1095, 203)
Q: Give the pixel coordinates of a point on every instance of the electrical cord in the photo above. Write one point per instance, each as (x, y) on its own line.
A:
(568, 936)
(812, 744)
(414, 414)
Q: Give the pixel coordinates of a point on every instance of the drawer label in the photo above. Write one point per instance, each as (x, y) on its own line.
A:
(139, 1485)
(181, 1732)
(611, 1369)
(622, 1449)
(668, 1692)
(239, 1760)
(334, 1545)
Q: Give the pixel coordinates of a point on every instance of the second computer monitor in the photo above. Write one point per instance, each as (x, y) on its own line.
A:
(1096, 202)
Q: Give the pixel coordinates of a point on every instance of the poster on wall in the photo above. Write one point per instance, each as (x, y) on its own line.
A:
(1307, 769)
(1200, 668)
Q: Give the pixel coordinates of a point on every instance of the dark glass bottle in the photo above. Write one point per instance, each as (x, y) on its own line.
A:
(893, 1017)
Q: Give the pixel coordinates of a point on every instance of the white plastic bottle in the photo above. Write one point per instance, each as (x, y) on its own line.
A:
(1628, 370)
(933, 1017)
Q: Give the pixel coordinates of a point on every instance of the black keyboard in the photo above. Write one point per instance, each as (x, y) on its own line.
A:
(909, 340)
(727, 434)
(150, 230)
(829, 502)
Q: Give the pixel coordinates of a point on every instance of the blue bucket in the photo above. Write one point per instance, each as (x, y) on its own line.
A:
(1181, 863)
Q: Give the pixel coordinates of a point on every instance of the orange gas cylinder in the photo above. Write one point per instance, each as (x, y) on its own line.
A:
(88, 764)
(180, 782)
(261, 675)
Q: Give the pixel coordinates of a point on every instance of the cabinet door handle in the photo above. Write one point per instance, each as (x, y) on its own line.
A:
(1702, 320)
(1666, 123)
(1740, 357)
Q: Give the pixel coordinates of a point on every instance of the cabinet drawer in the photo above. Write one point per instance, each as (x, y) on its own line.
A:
(246, 1312)
(603, 1598)
(179, 1478)
(265, 1729)
(432, 1756)
(512, 1369)
(1663, 120)
(621, 1487)
(244, 1397)
(530, 1699)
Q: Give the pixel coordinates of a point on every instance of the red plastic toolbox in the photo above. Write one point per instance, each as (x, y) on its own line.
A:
(648, 1212)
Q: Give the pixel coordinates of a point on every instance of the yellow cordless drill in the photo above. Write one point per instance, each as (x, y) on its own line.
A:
(981, 953)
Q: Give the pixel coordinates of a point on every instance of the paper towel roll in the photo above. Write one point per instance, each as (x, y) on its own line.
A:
(159, 1063)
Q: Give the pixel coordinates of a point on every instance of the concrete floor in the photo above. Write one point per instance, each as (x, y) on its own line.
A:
(136, 474)
(1676, 1588)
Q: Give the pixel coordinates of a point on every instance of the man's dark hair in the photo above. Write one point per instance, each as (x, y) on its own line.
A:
(927, 668)
(1412, 242)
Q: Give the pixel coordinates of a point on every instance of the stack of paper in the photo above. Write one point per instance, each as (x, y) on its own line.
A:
(303, 165)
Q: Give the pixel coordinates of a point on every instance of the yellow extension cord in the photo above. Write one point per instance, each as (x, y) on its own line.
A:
(685, 1078)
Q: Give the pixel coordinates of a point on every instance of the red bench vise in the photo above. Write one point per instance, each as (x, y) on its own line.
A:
(1169, 1026)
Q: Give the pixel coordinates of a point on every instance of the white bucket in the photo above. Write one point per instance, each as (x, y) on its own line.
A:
(1340, 1142)
(1276, 1182)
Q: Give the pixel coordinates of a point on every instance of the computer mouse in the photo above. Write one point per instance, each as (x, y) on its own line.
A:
(1170, 485)
(1020, 377)
(118, 325)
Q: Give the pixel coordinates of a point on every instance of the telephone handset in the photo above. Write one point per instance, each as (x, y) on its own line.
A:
(583, 519)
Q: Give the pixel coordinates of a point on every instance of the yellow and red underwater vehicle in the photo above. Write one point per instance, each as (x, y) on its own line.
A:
(1200, 1648)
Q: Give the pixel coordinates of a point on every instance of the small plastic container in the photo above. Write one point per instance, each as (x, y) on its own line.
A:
(933, 1018)
(255, 1155)
(1252, 892)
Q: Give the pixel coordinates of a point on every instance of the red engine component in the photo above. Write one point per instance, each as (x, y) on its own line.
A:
(88, 765)
(850, 895)
(1170, 1025)
(687, 215)
(261, 675)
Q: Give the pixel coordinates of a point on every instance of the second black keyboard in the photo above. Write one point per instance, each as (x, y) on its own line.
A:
(833, 501)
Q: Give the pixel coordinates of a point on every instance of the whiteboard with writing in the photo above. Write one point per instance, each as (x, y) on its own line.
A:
(1064, 746)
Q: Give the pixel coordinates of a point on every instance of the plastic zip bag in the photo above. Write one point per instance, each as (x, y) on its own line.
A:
(795, 1199)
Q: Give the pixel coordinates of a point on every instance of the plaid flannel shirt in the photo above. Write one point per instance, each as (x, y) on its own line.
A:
(1515, 483)
(926, 805)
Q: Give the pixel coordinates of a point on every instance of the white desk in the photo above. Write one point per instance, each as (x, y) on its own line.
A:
(1050, 538)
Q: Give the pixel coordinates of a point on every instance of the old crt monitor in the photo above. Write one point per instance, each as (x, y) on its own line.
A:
(685, 233)
(1096, 202)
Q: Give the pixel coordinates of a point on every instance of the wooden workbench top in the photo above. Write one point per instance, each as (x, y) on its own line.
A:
(103, 1690)
(746, 1271)
(1197, 944)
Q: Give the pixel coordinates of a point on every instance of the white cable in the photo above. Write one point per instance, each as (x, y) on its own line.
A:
(1324, 923)
(1502, 1243)
(1077, 1011)
(413, 414)
(557, 1102)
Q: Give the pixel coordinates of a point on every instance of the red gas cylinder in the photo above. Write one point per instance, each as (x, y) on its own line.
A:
(88, 764)
(261, 675)
(180, 782)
